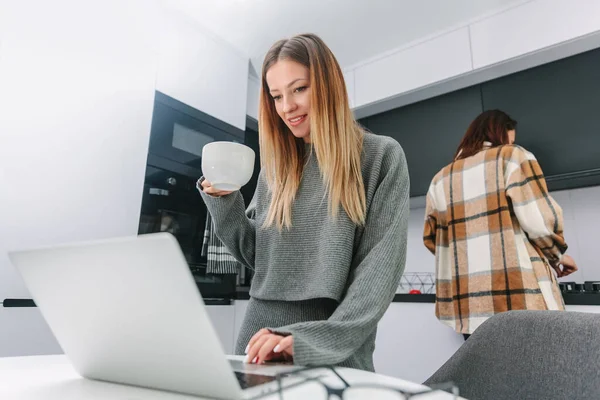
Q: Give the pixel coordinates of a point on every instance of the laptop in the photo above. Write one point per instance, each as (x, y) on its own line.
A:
(127, 310)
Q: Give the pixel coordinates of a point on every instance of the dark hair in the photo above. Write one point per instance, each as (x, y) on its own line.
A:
(491, 126)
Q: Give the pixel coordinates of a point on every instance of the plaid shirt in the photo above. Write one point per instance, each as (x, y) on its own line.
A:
(495, 231)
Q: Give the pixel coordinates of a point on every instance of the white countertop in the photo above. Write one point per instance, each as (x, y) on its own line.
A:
(53, 378)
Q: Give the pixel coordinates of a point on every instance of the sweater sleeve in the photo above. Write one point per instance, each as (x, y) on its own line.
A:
(537, 212)
(377, 267)
(430, 226)
(234, 226)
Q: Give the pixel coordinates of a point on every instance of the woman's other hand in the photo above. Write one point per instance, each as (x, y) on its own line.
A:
(568, 266)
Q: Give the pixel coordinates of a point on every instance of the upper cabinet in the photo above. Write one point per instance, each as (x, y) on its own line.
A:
(429, 132)
(556, 106)
(432, 61)
(514, 38)
(201, 70)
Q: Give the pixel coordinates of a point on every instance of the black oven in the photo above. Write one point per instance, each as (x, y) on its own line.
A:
(170, 201)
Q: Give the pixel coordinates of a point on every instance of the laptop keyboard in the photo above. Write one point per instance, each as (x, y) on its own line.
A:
(247, 380)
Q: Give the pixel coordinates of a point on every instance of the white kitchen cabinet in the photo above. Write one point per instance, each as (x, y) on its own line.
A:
(534, 28)
(223, 320)
(240, 313)
(24, 332)
(588, 309)
(428, 63)
(411, 343)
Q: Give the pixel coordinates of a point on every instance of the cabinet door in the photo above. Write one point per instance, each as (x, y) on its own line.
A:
(223, 318)
(429, 132)
(588, 309)
(240, 313)
(556, 106)
(25, 333)
(411, 343)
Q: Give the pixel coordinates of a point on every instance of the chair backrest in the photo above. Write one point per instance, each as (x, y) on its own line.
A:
(528, 355)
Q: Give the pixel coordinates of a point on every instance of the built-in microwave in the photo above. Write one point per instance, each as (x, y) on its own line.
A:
(179, 132)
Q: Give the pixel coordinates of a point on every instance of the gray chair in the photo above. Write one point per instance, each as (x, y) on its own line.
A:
(528, 355)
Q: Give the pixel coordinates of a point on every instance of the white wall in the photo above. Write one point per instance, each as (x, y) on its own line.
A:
(77, 86)
(2, 26)
(202, 71)
(510, 40)
(581, 212)
(581, 208)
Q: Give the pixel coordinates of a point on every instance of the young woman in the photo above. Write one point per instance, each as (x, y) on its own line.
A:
(326, 230)
(494, 229)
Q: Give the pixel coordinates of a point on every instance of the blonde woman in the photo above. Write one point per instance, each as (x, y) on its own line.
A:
(326, 230)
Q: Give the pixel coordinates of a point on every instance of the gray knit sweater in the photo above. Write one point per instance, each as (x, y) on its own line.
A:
(322, 257)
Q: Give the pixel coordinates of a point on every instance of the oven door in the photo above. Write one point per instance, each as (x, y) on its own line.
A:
(171, 203)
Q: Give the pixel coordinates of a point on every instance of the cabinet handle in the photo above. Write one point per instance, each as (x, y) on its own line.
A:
(18, 303)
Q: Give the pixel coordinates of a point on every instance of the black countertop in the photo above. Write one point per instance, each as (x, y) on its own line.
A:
(575, 298)
(19, 303)
(572, 299)
(579, 299)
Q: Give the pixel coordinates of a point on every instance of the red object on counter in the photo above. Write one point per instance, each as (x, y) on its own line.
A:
(414, 291)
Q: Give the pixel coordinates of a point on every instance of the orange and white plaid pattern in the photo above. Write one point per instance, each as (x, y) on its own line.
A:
(494, 230)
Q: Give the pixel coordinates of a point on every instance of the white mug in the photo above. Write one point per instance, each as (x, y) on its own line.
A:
(227, 165)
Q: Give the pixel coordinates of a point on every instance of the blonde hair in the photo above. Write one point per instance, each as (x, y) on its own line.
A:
(335, 135)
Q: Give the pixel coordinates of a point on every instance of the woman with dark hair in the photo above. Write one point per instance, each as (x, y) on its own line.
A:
(494, 229)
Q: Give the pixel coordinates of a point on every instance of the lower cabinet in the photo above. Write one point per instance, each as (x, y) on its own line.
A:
(223, 320)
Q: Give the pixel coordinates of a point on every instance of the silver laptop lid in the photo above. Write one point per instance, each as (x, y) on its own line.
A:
(127, 310)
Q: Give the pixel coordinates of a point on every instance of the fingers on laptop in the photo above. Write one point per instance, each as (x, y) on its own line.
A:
(253, 353)
(269, 346)
(256, 336)
(265, 352)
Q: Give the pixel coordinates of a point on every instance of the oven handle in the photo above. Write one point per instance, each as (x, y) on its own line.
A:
(158, 192)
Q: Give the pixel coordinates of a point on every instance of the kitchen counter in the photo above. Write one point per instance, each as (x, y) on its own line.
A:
(575, 298)
(582, 299)
(572, 298)
(18, 303)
